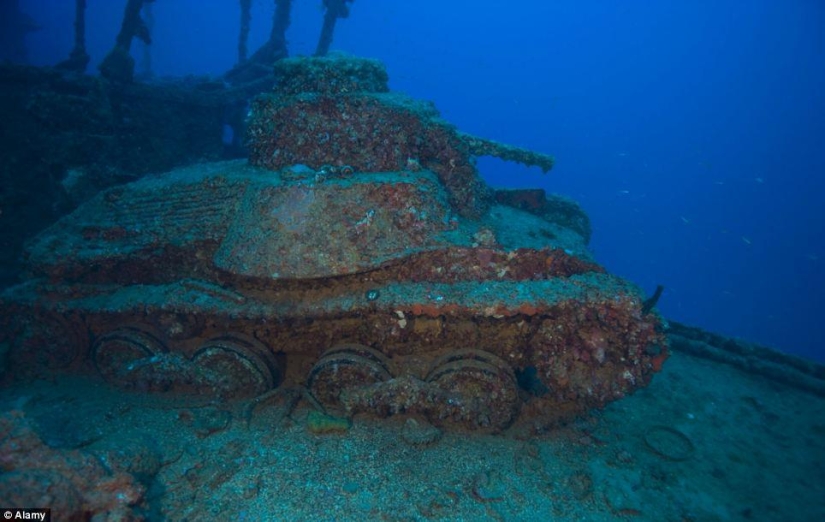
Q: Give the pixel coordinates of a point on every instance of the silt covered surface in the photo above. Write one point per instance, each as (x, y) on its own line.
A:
(293, 224)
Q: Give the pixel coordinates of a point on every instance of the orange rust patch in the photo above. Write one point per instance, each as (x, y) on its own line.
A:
(657, 362)
(429, 310)
(528, 309)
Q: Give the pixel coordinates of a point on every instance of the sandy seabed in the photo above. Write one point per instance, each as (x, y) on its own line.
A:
(704, 442)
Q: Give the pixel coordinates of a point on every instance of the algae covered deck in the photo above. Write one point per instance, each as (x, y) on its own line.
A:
(704, 442)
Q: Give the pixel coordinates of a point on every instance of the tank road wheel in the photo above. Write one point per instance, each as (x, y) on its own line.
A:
(236, 366)
(122, 355)
(482, 390)
(346, 366)
(50, 341)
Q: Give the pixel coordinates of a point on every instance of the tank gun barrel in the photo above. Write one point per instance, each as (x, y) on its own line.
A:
(484, 147)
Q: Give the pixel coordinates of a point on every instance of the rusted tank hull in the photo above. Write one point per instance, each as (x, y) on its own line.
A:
(573, 343)
(358, 255)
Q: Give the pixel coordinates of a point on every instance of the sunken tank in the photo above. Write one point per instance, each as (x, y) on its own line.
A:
(357, 253)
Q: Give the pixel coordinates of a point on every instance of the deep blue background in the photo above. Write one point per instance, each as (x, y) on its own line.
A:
(693, 132)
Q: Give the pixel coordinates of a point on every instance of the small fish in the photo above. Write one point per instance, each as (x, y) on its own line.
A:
(746, 240)
(759, 180)
(684, 219)
(624, 192)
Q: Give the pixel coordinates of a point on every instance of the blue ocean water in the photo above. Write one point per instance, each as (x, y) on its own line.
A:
(691, 132)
